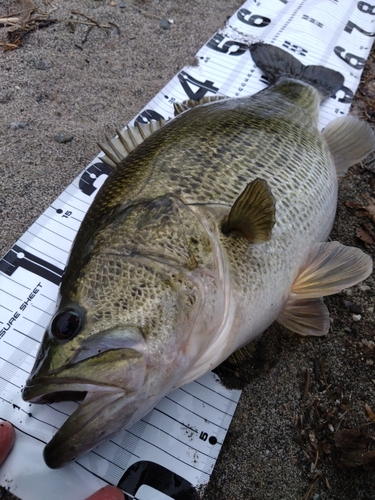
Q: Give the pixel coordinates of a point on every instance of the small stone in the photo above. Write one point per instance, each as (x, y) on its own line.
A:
(165, 24)
(370, 309)
(364, 288)
(369, 362)
(17, 125)
(63, 138)
(122, 5)
(348, 291)
(41, 65)
(352, 307)
(357, 317)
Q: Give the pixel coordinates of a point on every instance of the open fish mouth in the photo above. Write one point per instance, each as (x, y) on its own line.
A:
(94, 421)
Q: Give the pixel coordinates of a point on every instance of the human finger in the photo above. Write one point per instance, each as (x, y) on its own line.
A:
(7, 437)
(107, 493)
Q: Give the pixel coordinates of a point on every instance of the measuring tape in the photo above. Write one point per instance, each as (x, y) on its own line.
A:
(177, 444)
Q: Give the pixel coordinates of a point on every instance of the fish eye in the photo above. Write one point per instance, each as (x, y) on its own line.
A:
(66, 324)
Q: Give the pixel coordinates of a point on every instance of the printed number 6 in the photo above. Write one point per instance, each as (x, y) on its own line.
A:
(351, 59)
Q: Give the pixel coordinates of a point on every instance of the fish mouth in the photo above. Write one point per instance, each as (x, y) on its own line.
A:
(96, 419)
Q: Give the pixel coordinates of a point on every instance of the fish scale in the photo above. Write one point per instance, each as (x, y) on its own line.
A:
(212, 226)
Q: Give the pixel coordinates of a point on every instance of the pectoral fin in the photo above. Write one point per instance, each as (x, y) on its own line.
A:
(253, 213)
(329, 268)
(349, 141)
(305, 316)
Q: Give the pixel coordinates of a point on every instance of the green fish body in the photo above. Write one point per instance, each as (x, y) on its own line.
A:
(208, 231)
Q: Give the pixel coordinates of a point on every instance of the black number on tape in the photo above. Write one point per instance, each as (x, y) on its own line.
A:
(312, 20)
(255, 20)
(295, 48)
(344, 95)
(147, 115)
(366, 8)
(349, 28)
(354, 61)
(90, 175)
(17, 257)
(157, 477)
(203, 87)
(229, 47)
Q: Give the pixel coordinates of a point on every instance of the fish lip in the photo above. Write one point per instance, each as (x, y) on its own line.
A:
(64, 446)
(62, 389)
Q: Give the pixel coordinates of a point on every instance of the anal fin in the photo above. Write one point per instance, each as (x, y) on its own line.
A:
(305, 316)
(253, 213)
(349, 140)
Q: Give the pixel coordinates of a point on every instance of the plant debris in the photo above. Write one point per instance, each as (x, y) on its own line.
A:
(355, 448)
(19, 24)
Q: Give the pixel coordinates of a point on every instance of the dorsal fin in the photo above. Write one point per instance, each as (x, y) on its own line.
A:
(349, 141)
(180, 107)
(119, 147)
(253, 213)
(243, 354)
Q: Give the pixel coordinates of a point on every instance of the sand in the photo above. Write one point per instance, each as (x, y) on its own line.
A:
(84, 81)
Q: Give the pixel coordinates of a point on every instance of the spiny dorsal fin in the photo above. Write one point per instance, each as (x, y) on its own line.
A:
(305, 316)
(330, 268)
(118, 148)
(180, 107)
(253, 213)
(349, 140)
(243, 354)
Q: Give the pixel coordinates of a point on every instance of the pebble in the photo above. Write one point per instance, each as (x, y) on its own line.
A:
(17, 125)
(364, 288)
(41, 65)
(165, 24)
(348, 291)
(122, 5)
(63, 138)
(370, 309)
(352, 307)
(357, 317)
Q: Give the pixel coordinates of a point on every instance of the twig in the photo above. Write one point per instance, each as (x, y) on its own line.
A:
(77, 21)
(9, 20)
(89, 19)
(307, 386)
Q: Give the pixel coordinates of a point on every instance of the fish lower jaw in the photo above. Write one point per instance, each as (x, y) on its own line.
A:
(60, 391)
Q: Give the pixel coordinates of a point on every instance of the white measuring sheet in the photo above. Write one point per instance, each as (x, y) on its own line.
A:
(172, 451)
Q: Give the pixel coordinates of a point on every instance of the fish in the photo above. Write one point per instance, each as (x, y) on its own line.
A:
(212, 226)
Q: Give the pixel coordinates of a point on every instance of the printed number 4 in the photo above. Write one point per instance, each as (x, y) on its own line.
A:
(187, 80)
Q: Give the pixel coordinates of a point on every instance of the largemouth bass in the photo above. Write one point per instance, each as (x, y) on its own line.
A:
(212, 226)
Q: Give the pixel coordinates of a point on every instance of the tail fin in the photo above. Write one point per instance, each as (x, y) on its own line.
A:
(277, 63)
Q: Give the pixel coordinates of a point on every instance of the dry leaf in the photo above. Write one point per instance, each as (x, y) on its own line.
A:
(365, 236)
(26, 8)
(370, 209)
(354, 448)
(370, 413)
